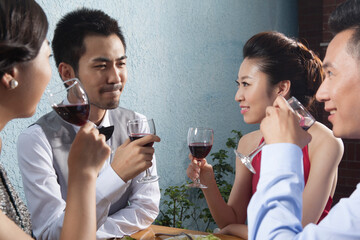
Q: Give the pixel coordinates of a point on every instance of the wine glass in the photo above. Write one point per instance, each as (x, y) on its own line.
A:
(139, 128)
(306, 120)
(200, 141)
(70, 102)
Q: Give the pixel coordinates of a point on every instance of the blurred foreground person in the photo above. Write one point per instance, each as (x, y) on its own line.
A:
(275, 210)
(25, 71)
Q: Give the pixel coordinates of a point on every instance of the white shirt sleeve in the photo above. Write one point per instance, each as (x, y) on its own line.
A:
(47, 207)
(141, 211)
(41, 188)
(143, 202)
(274, 211)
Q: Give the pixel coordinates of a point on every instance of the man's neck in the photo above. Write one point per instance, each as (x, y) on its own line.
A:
(96, 114)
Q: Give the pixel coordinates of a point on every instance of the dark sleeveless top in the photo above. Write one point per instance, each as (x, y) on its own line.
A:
(306, 162)
(11, 204)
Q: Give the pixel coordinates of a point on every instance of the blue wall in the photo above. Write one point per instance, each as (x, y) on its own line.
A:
(184, 56)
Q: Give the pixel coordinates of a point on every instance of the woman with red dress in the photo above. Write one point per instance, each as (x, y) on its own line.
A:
(274, 65)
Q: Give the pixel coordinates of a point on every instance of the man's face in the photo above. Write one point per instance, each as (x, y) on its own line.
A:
(340, 90)
(102, 70)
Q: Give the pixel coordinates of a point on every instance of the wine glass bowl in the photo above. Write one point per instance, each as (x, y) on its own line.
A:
(200, 142)
(306, 120)
(69, 100)
(137, 129)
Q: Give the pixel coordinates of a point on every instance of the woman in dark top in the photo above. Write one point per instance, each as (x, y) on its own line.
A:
(25, 71)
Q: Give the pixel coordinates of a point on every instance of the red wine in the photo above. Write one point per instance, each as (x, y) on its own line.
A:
(135, 136)
(200, 150)
(306, 122)
(74, 114)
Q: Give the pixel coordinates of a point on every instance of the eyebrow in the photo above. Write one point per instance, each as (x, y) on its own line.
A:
(104, 59)
(327, 65)
(245, 77)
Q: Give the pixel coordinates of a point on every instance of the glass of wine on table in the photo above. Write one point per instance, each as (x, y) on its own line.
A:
(200, 141)
(70, 102)
(137, 129)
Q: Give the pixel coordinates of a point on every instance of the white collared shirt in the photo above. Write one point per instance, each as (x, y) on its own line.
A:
(45, 203)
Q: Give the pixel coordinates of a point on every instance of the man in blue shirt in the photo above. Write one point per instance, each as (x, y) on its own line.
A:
(275, 210)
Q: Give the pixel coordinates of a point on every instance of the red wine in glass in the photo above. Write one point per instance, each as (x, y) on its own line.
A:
(200, 141)
(135, 136)
(74, 114)
(200, 150)
(70, 101)
(137, 129)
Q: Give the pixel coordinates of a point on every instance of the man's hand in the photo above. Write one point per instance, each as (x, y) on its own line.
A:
(281, 125)
(132, 158)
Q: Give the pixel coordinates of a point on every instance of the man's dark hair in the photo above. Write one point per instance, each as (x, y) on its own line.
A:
(347, 16)
(70, 32)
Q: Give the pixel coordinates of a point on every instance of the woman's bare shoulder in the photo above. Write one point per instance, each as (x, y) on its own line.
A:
(249, 142)
(321, 134)
(324, 141)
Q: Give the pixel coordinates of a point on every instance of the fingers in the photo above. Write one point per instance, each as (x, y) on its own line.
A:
(127, 142)
(193, 171)
(89, 128)
(281, 125)
(147, 139)
(281, 102)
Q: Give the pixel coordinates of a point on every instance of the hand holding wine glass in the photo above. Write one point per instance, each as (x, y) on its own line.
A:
(200, 141)
(288, 130)
(139, 128)
(69, 100)
(305, 120)
(88, 151)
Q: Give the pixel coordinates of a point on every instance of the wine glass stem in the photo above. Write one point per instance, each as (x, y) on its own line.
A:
(197, 181)
(256, 150)
(147, 173)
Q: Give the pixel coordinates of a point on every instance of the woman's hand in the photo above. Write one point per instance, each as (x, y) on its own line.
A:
(239, 230)
(88, 151)
(197, 165)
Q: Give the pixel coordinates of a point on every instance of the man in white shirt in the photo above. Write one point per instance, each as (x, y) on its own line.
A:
(88, 44)
(275, 210)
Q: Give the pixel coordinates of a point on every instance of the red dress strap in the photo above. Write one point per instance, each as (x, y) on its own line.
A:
(306, 163)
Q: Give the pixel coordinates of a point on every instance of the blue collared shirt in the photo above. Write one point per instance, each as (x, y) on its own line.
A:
(275, 209)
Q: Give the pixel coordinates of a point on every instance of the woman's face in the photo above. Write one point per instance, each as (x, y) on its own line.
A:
(33, 78)
(254, 93)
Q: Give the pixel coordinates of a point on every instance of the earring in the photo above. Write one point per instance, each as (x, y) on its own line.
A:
(13, 84)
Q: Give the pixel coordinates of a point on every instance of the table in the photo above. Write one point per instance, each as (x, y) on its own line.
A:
(149, 233)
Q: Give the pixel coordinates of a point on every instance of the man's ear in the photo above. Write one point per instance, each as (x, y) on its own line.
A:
(66, 71)
(284, 88)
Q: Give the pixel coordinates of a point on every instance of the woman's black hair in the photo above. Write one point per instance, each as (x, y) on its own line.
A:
(283, 58)
(23, 29)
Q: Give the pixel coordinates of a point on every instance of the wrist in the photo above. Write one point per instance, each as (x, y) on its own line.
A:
(121, 175)
(83, 176)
